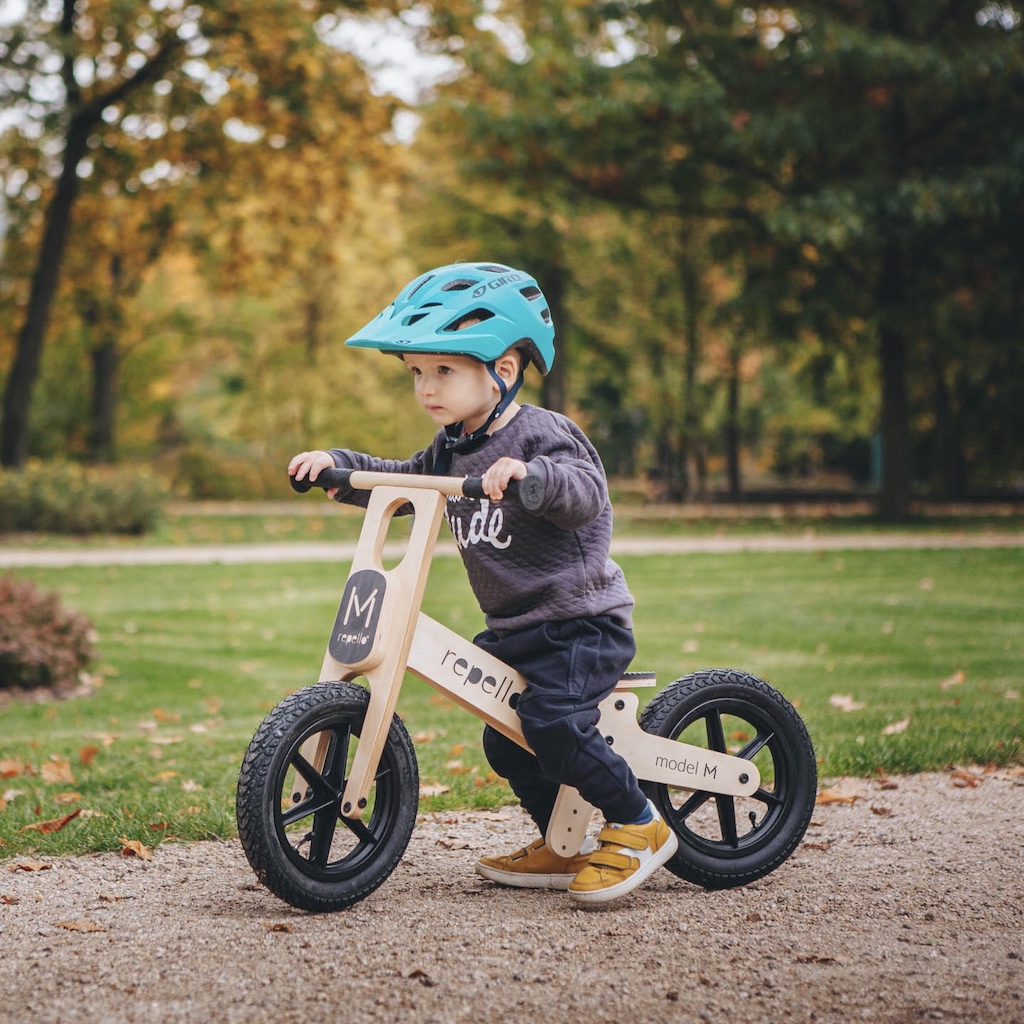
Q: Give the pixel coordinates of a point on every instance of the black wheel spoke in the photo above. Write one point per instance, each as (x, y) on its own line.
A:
(769, 798)
(756, 745)
(359, 829)
(726, 806)
(692, 805)
(305, 809)
(316, 782)
(716, 731)
(324, 824)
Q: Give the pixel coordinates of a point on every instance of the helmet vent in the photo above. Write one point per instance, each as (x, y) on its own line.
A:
(530, 292)
(469, 319)
(459, 285)
(492, 268)
(423, 281)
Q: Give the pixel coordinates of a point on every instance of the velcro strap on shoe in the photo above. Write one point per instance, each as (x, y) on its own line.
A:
(623, 837)
(611, 859)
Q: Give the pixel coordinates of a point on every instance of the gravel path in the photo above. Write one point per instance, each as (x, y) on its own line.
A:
(905, 905)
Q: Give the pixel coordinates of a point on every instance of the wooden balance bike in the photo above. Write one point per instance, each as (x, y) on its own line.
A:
(329, 787)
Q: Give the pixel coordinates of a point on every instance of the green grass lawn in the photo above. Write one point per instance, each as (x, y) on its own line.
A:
(927, 647)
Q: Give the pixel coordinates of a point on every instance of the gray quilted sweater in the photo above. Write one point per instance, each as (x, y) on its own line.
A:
(528, 567)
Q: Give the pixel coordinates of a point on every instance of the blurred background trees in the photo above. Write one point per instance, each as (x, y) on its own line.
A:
(781, 245)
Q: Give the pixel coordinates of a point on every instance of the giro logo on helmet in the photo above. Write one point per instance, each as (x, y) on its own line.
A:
(499, 283)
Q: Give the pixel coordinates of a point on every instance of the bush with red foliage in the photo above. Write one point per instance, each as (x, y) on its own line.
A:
(41, 642)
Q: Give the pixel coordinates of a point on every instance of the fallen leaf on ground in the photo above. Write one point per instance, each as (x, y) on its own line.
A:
(133, 848)
(844, 702)
(882, 812)
(12, 766)
(954, 680)
(816, 846)
(30, 865)
(56, 769)
(9, 898)
(965, 780)
(278, 926)
(86, 754)
(433, 789)
(68, 798)
(830, 796)
(896, 727)
(80, 926)
(420, 975)
(53, 825)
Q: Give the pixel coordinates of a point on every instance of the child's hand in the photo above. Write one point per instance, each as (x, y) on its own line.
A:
(496, 478)
(307, 466)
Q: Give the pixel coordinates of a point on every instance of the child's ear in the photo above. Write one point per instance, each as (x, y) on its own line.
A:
(507, 367)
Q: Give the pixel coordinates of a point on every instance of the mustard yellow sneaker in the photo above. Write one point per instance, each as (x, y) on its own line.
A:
(533, 867)
(627, 855)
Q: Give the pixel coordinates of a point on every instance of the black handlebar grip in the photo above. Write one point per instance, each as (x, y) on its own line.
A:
(528, 492)
(327, 478)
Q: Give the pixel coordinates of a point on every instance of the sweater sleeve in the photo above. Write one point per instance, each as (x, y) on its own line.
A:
(421, 462)
(574, 487)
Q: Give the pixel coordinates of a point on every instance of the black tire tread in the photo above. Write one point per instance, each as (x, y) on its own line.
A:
(666, 706)
(256, 833)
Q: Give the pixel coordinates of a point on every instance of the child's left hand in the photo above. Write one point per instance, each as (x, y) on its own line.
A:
(497, 476)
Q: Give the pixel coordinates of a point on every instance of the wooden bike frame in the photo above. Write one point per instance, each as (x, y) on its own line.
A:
(380, 632)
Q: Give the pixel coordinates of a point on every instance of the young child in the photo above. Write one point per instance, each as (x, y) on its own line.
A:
(557, 609)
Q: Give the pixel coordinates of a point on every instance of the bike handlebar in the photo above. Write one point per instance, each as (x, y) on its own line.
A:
(528, 492)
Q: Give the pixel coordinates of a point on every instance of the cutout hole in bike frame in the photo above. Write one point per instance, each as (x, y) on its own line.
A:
(397, 529)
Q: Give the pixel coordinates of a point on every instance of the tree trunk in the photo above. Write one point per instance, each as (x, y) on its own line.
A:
(689, 456)
(950, 464)
(894, 498)
(554, 393)
(105, 362)
(732, 423)
(14, 436)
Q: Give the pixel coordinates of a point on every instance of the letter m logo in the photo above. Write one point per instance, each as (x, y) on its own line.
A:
(355, 611)
(355, 627)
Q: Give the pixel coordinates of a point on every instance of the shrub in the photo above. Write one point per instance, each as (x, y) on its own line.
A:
(41, 642)
(66, 498)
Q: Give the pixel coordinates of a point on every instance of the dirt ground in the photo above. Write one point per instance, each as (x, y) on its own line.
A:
(905, 905)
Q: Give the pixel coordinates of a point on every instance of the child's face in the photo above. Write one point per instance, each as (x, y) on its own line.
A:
(453, 389)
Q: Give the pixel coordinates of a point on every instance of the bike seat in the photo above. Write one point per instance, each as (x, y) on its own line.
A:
(636, 679)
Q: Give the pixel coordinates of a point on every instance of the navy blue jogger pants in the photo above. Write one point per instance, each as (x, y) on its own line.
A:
(570, 667)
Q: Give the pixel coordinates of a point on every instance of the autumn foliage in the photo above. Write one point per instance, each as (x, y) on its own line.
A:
(41, 642)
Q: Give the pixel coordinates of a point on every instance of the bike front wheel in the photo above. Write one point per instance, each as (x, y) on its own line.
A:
(727, 841)
(289, 794)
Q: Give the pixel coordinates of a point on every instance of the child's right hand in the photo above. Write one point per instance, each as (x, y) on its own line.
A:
(307, 466)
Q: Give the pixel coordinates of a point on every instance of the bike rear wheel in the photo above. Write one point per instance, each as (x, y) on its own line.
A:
(729, 841)
(289, 793)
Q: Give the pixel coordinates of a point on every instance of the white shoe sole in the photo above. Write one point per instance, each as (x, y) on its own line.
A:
(521, 880)
(627, 885)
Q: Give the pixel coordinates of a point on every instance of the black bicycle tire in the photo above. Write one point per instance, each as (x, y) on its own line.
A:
(261, 778)
(714, 865)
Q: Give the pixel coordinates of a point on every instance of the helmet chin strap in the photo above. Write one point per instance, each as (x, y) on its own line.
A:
(461, 442)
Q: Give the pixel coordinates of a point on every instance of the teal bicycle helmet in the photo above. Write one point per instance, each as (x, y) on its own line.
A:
(501, 308)
(425, 317)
